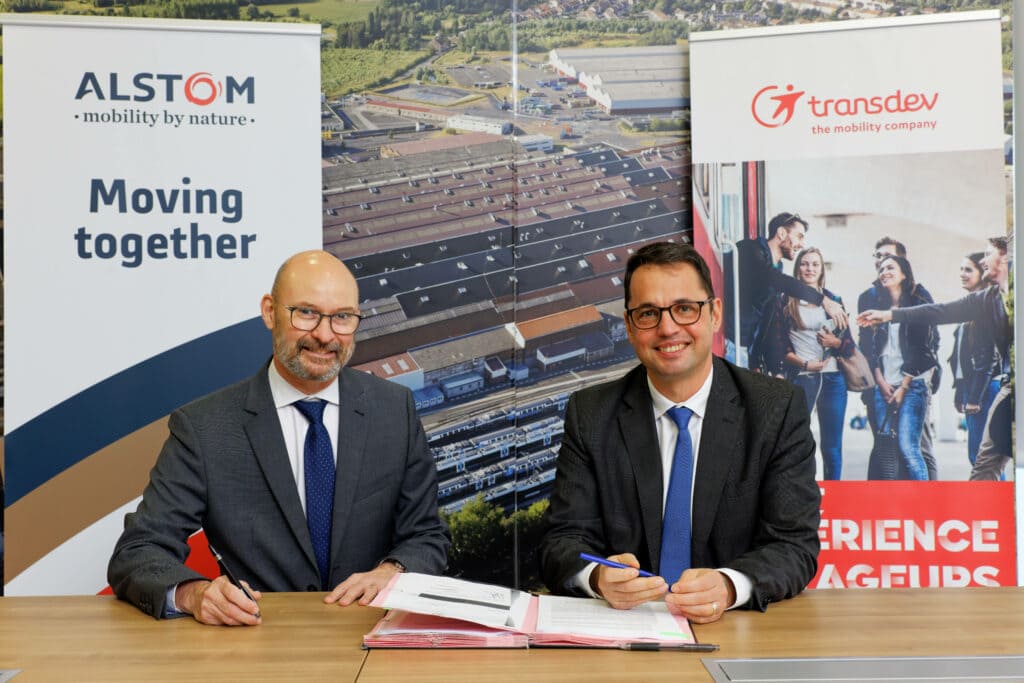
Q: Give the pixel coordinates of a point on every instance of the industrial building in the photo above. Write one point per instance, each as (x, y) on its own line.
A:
(628, 80)
(486, 270)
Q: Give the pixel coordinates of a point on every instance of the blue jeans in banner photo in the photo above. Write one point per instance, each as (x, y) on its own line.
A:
(976, 422)
(909, 425)
(826, 394)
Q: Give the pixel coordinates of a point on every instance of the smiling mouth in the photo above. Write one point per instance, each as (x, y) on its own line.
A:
(321, 354)
(672, 348)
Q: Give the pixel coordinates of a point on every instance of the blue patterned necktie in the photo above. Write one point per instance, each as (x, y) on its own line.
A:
(675, 533)
(319, 468)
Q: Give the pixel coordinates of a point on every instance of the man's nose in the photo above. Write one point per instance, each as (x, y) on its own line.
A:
(667, 325)
(323, 330)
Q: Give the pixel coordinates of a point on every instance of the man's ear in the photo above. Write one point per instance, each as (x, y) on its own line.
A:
(267, 311)
(716, 314)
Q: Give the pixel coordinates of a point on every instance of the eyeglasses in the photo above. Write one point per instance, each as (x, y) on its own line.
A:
(681, 312)
(881, 254)
(307, 320)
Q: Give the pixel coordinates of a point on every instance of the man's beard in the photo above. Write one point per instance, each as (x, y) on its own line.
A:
(291, 358)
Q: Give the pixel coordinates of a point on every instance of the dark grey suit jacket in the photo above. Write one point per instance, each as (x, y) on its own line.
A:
(224, 467)
(756, 505)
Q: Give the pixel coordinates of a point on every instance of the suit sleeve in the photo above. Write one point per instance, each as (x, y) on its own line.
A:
(421, 538)
(574, 520)
(149, 556)
(783, 555)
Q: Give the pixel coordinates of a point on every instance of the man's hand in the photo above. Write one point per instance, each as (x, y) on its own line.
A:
(870, 318)
(363, 586)
(836, 312)
(218, 602)
(625, 588)
(971, 409)
(701, 595)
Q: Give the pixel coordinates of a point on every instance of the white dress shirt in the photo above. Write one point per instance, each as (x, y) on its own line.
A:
(294, 425)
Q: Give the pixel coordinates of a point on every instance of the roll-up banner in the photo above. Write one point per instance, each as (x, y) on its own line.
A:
(156, 174)
(865, 162)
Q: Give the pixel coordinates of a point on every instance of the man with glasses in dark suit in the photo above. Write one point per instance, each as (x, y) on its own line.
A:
(309, 476)
(688, 466)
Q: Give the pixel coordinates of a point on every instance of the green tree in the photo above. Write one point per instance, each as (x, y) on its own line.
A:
(484, 540)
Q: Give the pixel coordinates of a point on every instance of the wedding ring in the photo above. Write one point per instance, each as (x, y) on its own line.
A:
(714, 608)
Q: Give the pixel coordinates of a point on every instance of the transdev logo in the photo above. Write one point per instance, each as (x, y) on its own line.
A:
(773, 106)
(200, 88)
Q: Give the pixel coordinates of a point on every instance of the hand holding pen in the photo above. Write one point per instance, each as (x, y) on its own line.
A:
(225, 600)
(620, 581)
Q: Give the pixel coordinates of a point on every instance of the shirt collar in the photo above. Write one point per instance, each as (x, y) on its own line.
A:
(285, 394)
(698, 403)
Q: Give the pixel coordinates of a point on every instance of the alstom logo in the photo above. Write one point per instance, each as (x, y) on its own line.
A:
(773, 106)
(200, 88)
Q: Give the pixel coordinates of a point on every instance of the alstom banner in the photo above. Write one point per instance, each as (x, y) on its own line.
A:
(862, 163)
(156, 174)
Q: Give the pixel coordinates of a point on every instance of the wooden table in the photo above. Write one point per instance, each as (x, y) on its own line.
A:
(94, 638)
(101, 639)
(823, 623)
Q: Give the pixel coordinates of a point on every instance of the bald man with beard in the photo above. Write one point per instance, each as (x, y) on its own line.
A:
(235, 465)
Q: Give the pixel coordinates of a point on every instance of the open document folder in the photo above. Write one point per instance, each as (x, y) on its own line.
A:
(438, 611)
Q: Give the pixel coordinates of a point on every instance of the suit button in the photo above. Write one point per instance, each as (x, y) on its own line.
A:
(310, 588)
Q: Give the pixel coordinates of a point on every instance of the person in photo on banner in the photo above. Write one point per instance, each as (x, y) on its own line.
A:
(761, 280)
(991, 309)
(309, 476)
(876, 296)
(902, 358)
(683, 426)
(803, 342)
(974, 362)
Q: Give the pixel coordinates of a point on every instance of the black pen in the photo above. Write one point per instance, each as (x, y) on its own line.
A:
(639, 646)
(231, 577)
(681, 647)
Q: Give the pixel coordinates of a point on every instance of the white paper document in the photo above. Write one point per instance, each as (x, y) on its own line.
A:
(494, 606)
(582, 616)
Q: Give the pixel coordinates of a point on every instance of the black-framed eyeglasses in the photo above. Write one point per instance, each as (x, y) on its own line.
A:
(308, 319)
(681, 312)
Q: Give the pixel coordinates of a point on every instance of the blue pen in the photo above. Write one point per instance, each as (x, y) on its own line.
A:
(608, 563)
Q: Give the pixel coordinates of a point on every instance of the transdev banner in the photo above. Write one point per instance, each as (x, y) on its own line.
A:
(871, 131)
(156, 174)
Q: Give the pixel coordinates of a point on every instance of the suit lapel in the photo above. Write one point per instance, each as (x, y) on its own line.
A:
(352, 437)
(636, 425)
(267, 442)
(718, 453)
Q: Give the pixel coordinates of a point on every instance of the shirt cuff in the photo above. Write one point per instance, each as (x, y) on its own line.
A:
(581, 581)
(170, 606)
(743, 585)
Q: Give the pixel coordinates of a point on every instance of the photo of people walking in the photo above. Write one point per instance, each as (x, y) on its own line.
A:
(930, 375)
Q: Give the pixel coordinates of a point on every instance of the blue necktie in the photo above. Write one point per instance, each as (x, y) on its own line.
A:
(675, 532)
(319, 468)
